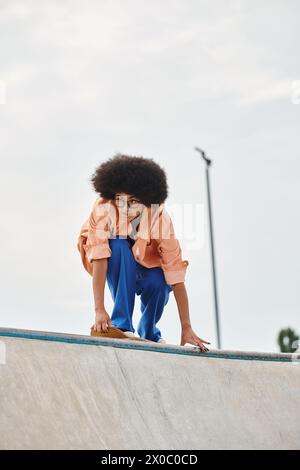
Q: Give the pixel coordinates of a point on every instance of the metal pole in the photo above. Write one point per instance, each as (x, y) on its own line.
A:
(208, 163)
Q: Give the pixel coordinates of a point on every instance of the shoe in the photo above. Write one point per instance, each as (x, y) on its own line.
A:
(162, 340)
(114, 332)
(130, 334)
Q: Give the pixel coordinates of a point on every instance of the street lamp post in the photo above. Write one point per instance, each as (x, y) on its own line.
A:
(208, 163)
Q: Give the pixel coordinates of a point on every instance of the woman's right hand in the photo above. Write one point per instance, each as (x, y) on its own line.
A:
(102, 321)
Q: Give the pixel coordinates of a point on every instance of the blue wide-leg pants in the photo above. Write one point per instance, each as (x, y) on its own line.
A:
(125, 278)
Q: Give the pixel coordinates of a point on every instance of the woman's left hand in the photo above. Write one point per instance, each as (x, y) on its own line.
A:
(189, 336)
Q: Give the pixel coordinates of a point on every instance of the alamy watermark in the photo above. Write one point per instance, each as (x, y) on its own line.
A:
(185, 222)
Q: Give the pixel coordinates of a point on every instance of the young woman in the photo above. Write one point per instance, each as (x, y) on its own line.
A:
(129, 241)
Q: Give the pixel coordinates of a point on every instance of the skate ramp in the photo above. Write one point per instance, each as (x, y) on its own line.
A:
(60, 391)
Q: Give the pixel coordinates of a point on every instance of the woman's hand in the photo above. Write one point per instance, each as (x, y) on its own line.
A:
(189, 336)
(102, 321)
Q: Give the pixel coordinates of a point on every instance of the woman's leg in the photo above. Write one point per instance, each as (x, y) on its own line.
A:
(121, 279)
(154, 292)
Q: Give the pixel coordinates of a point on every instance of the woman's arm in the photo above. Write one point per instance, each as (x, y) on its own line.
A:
(102, 318)
(187, 333)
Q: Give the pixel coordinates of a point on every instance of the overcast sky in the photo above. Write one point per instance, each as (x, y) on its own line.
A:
(81, 80)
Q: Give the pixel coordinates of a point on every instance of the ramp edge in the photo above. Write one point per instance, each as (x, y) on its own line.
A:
(155, 347)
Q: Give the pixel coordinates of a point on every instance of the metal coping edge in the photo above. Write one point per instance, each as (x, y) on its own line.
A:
(143, 347)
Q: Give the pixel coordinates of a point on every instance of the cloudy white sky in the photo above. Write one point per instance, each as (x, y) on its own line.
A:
(85, 79)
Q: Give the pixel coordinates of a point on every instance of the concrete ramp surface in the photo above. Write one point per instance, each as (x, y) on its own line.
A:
(61, 391)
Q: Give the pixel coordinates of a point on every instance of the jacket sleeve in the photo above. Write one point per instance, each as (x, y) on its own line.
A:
(173, 266)
(93, 238)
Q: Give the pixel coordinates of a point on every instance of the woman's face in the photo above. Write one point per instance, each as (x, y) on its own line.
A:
(128, 204)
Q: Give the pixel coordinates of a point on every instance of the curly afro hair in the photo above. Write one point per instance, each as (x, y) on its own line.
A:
(139, 176)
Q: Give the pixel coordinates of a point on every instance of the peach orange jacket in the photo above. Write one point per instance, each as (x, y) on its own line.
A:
(155, 242)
